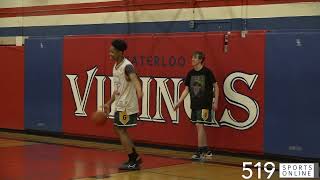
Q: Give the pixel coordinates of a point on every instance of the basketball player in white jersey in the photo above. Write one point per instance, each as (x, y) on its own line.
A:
(127, 91)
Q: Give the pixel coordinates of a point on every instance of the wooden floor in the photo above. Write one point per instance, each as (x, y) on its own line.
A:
(31, 157)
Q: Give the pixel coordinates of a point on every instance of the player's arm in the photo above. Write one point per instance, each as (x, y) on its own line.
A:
(113, 97)
(183, 96)
(131, 73)
(185, 91)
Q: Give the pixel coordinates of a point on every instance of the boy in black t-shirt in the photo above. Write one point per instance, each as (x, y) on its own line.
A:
(200, 82)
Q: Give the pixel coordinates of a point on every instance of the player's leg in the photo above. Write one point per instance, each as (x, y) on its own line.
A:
(202, 142)
(200, 117)
(121, 125)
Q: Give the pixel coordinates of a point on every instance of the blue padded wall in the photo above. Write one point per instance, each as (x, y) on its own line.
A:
(43, 84)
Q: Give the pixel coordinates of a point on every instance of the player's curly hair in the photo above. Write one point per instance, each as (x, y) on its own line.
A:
(119, 44)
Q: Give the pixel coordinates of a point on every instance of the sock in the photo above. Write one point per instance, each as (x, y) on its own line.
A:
(200, 149)
(203, 149)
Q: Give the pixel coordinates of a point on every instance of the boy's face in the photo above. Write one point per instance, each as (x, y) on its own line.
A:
(196, 60)
(114, 53)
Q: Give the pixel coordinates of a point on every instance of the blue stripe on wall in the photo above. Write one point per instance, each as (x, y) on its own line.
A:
(285, 23)
(154, 27)
(12, 31)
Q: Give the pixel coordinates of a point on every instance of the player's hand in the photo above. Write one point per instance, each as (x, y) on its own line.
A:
(107, 109)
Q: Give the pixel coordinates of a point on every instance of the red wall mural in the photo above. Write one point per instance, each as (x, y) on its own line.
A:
(162, 61)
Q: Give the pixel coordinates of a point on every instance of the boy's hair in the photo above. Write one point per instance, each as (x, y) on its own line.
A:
(199, 55)
(119, 44)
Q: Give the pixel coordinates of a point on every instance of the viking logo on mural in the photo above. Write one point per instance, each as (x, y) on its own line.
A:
(232, 96)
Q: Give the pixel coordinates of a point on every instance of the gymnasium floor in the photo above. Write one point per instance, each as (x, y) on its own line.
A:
(31, 157)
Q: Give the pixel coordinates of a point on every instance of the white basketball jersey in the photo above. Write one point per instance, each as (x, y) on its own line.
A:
(126, 99)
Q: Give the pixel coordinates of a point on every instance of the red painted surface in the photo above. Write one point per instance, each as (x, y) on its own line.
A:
(53, 162)
(81, 57)
(12, 87)
(116, 6)
(244, 55)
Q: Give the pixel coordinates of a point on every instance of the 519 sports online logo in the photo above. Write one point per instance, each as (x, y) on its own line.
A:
(286, 170)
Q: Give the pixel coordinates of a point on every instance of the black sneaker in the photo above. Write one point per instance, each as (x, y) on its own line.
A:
(197, 156)
(208, 155)
(131, 165)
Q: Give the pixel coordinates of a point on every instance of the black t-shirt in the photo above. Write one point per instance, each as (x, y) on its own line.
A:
(200, 85)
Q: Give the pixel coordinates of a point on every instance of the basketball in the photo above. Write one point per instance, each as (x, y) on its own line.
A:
(99, 118)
